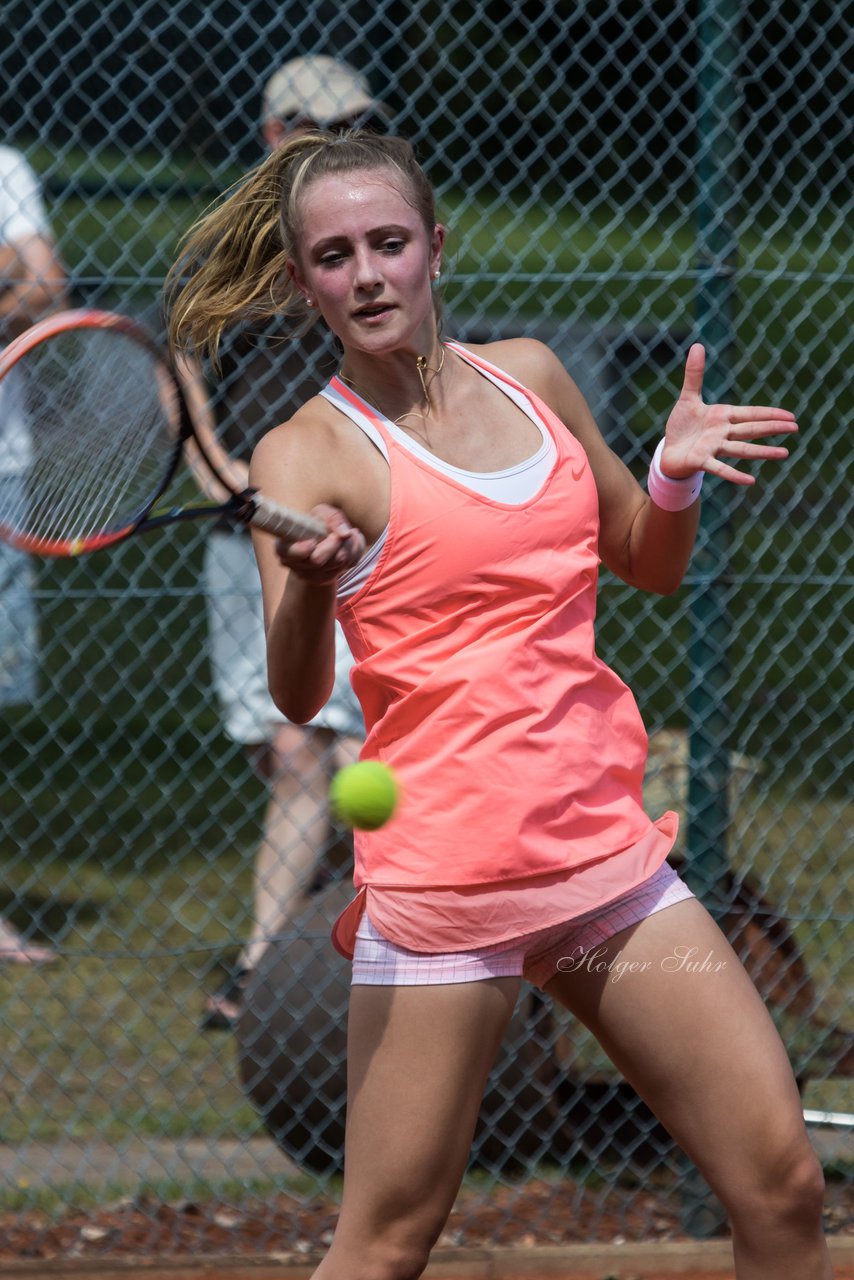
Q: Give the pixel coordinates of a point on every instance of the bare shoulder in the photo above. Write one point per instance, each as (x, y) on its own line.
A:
(525, 359)
(290, 455)
(318, 456)
(310, 428)
(536, 366)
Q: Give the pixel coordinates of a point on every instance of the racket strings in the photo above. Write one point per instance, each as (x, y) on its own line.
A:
(100, 421)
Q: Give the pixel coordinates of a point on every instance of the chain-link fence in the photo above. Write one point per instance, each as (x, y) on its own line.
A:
(618, 178)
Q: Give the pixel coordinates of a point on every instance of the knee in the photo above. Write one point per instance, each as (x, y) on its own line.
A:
(388, 1261)
(788, 1196)
(385, 1251)
(803, 1190)
(406, 1263)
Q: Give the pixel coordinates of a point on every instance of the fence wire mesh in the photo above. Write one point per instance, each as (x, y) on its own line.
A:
(618, 179)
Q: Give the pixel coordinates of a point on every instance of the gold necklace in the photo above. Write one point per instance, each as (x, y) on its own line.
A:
(423, 367)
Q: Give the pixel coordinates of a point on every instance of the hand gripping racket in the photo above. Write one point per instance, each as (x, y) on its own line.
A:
(96, 421)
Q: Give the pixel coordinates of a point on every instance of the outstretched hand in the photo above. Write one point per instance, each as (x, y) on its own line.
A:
(321, 561)
(698, 436)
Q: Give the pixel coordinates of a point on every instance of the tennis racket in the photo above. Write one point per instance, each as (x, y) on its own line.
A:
(102, 422)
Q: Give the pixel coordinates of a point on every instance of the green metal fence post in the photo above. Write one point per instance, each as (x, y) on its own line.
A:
(708, 806)
(717, 251)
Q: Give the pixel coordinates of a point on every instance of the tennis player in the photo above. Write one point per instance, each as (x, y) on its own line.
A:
(469, 498)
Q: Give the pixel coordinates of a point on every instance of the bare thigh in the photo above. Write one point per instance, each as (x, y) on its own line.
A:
(671, 1004)
(418, 1061)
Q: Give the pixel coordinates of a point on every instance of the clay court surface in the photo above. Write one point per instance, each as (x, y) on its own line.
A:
(666, 1264)
(511, 1234)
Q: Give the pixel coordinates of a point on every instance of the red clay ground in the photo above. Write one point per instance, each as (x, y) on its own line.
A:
(666, 1268)
(105, 1242)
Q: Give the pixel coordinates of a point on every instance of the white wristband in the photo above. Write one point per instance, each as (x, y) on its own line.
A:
(670, 494)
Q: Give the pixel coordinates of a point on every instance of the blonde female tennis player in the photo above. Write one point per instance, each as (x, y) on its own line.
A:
(469, 499)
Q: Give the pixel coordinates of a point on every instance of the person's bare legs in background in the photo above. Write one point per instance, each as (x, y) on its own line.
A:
(298, 765)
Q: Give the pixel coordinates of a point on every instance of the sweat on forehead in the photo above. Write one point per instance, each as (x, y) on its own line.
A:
(379, 160)
(339, 195)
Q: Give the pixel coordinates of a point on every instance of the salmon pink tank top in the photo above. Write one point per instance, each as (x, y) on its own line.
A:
(520, 753)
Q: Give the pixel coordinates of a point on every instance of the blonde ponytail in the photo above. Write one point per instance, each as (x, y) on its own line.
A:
(231, 267)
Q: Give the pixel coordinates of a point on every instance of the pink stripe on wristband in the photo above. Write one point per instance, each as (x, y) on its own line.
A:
(670, 494)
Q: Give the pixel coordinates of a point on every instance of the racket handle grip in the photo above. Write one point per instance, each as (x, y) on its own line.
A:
(281, 522)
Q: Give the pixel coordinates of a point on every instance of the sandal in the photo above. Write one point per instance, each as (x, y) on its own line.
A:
(223, 1009)
(15, 949)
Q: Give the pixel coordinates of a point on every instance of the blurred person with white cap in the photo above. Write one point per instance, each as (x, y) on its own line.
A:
(262, 378)
(317, 92)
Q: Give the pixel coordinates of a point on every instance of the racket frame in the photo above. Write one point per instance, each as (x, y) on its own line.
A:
(240, 507)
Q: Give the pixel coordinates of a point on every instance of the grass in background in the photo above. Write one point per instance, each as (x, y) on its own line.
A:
(143, 912)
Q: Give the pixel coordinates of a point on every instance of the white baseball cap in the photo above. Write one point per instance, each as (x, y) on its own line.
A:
(319, 89)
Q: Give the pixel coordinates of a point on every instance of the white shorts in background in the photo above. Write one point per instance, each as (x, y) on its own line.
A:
(18, 631)
(238, 651)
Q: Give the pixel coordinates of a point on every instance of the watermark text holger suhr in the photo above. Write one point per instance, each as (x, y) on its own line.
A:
(680, 960)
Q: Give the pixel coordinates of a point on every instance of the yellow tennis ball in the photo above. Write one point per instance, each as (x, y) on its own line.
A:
(364, 795)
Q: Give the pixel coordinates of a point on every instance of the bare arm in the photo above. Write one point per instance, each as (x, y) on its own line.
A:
(641, 543)
(298, 580)
(32, 283)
